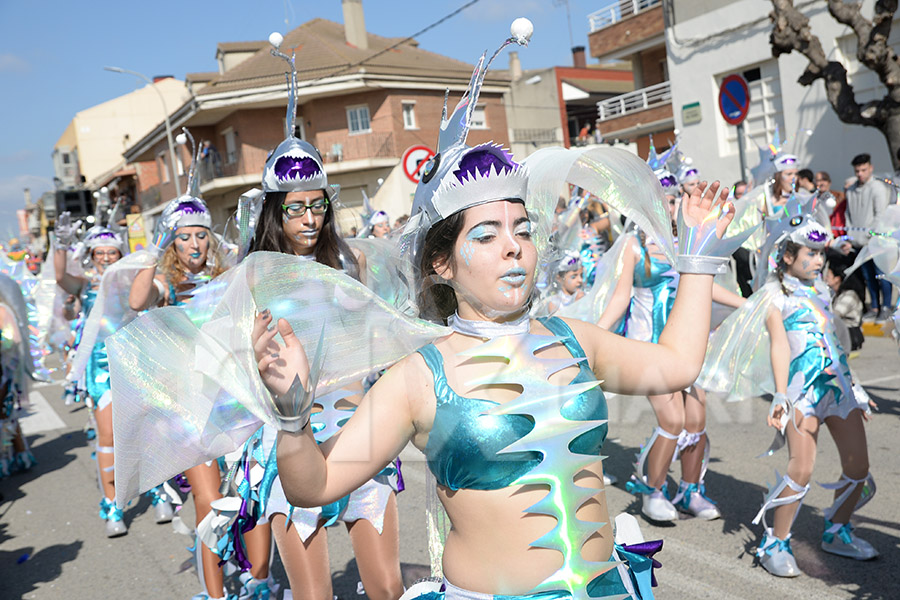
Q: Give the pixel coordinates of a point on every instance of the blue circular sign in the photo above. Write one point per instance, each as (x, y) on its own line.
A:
(734, 99)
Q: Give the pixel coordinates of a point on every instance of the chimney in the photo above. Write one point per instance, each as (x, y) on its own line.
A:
(578, 60)
(515, 66)
(355, 24)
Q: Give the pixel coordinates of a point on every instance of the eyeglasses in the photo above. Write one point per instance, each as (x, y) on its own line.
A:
(297, 210)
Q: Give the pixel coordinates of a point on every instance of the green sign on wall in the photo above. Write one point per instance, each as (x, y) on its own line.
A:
(690, 114)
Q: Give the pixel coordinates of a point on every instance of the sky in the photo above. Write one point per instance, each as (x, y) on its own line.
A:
(52, 55)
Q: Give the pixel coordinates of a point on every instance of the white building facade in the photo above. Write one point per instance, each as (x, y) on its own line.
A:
(708, 40)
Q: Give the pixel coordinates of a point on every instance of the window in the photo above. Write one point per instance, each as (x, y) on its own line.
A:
(230, 146)
(163, 167)
(479, 118)
(299, 127)
(865, 82)
(358, 119)
(765, 112)
(65, 158)
(409, 114)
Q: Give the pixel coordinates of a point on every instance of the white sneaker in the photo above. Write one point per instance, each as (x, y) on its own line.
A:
(845, 543)
(776, 556)
(657, 507)
(163, 511)
(690, 499)
(609, 480)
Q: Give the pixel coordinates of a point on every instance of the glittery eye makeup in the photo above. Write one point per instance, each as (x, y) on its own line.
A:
(481, 233)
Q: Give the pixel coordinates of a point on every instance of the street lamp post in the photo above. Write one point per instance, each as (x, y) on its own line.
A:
(168, 124)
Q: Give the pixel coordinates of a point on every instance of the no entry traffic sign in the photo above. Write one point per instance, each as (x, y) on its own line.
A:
(414, 160)
(734, 99)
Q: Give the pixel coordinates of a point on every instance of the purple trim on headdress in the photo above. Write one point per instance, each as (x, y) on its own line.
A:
(291, 167)
(481, 160)
(787, 161)
(691, 173)
(191, 207)
(816, 236)
(668, 181)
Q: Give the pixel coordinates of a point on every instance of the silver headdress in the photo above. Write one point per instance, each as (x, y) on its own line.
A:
(371, 217)
(792, 222)
(779, 156)
(460, 176)
(295, 165)
(570, 261)
(190, 209)
(667, 180)
(98, 237)
(683, 167)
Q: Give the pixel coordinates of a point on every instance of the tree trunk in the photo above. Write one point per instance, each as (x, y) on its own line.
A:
(891, 133)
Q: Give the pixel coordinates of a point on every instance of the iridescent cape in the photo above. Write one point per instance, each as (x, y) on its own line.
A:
(12, 299)
(111, 310)
(32, 318)
(190, 389)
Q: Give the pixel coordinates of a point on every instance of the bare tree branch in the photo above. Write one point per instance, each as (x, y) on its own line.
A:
(791, 31)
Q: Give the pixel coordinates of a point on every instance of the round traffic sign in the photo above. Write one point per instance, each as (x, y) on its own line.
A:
(414, 160)
(734, 99)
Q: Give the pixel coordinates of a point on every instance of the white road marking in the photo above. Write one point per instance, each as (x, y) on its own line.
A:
(41, 416)
(880, 379)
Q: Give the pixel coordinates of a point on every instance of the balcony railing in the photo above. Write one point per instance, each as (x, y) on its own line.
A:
(340, 146)
(243, 161)
(642, 99)
(615, 12)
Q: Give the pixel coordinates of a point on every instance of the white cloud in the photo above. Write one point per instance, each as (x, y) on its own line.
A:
(10, 63)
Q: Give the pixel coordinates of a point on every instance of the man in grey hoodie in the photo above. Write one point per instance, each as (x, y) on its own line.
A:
(867, 200)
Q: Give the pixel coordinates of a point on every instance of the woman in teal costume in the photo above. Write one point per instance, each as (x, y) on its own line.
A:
(105, 248)
(507, 409)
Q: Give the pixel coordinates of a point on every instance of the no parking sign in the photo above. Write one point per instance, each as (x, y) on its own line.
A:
(734, 99)
(414, 160)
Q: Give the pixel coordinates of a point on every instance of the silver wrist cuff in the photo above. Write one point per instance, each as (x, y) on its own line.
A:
(699, 264)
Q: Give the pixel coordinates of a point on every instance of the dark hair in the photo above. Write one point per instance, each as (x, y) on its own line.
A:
(854, 284)
(824, 175)
(437, 301)
(738, 182)
(806, 174)
(861, 159)
(790, 248)
(331, 250)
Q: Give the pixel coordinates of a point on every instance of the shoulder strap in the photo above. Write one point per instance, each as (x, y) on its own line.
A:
(560, 328)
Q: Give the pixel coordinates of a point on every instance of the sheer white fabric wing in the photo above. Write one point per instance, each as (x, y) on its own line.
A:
(111, 310)
(185, 394)
(618, 178)
(738, 357)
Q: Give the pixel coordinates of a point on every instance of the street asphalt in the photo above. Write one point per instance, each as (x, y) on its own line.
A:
(52, 543)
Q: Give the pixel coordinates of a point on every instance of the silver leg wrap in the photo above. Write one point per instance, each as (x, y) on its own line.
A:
(686, 439)
(772, 500)
(638, 483)
(868, 483)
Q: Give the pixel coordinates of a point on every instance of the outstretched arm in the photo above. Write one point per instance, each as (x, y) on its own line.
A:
(633, 367)
(66, 281)
(621, 296)
(726, 297)
(143, 292)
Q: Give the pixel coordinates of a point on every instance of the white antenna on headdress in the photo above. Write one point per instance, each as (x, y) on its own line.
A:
(276, 39)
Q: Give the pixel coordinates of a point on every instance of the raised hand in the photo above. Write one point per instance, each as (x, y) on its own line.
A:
(702, 222)
(285, 370)
(65, 231)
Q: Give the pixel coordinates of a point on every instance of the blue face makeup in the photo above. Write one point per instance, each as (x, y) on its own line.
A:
(481, 233)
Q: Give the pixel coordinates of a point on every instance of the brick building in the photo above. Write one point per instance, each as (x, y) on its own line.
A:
(362, 100)
(634, 30)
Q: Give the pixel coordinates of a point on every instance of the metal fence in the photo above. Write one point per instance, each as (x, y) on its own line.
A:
(648, 97)
(617, 11)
